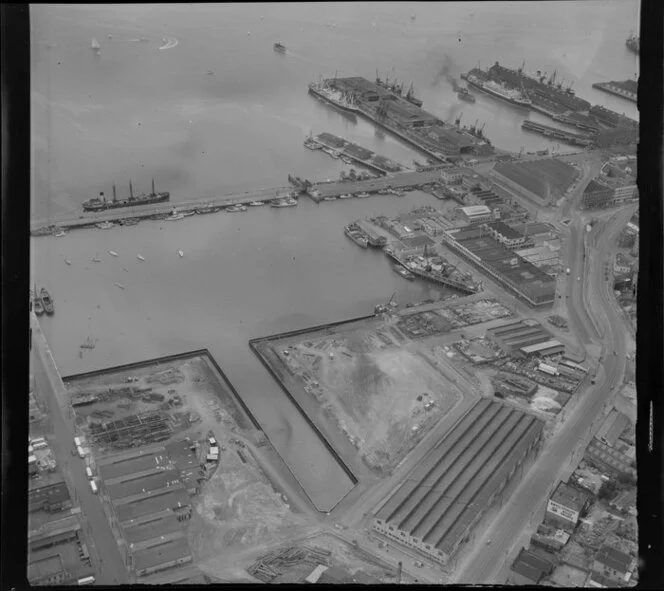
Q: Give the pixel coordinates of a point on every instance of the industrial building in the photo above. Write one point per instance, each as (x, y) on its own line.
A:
(596, 195)
(504, 234)
(525, 337)
(542, 181)
(507, 267)
(613, 427)
(51, 498)
(168, 554)
(565, 506)
(475, 214)
(609, 459)
(444, 497)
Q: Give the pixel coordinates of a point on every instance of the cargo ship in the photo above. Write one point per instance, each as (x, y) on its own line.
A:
(548, 93)
(633, 43)
(513, 96)
(279, 48)
(343, 101)
(100, 203)
(356, 235)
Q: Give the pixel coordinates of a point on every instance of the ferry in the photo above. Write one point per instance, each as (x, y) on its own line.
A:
(105, 225)
(236, 208)
(405, 273)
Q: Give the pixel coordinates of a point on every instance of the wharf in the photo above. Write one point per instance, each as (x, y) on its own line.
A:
(396, 181)
(80, 219)
(359, 154)
(559, 134)
(627, 89)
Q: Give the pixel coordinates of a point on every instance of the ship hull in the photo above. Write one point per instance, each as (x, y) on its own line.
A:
(497, 95)
(359, 240)
(158, 198)
(338, 105)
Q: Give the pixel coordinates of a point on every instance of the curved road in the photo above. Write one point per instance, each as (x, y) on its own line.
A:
(483, 562)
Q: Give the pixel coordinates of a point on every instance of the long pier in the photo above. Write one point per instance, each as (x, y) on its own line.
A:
(81, 219)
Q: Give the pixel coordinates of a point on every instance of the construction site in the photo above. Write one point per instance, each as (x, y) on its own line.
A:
(172, 446)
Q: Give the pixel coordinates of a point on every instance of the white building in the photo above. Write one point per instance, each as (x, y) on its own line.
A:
(477, 213)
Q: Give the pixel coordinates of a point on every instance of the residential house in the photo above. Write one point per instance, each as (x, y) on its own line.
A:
(613, 565)
(565, 506)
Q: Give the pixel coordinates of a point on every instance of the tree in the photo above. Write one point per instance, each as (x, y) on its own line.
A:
(607, 490)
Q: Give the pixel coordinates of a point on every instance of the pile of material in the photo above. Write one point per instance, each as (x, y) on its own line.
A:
(277, 562)
(141, 429)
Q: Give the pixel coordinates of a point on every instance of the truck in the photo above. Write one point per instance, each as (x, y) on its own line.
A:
(81, 453)
(568, 271)
(93, 487)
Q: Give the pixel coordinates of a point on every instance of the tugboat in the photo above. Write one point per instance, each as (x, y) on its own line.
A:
(47, 301)
(465, 95)
(37, 305)
(175, 216)
(279, 48)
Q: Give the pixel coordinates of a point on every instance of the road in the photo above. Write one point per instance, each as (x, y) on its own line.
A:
(110, 567)
(481, 565)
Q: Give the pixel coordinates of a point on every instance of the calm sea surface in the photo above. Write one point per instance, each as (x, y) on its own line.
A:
(137, 112)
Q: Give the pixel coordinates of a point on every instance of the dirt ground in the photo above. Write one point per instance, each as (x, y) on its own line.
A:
(237, 509)
(382, 394)
(568, 576)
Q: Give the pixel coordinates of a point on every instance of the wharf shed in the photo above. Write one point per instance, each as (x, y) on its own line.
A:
(144, 532)
(161, 557)
(131, 463)
(612, 427)
(173, 499)
(442, 499)
(52, 498)
(131, 485)
(544, 349)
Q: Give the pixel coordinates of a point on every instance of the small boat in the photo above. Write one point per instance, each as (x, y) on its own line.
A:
(279, 48)
(119, 285)
(140, 257)
(181, 253)
(95, 45)
(130, 221)
(363, 195)
(256, 203)
(283, 203)
(68, 261)
(112, 253)
(236, 208)
(210, 73)
(37, 305)
(330, 198)
(405, 273)
(346, 159)
(109, 36)
(346, 196)
(105, 225)
(175, 216)
(61, 232)
(95, 259)
(47, 301)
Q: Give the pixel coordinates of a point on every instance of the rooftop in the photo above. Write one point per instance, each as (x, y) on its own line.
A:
(122, 465)
(531, 566)
(541, 346)
(504, 230)
(163, 554)
(569, 497)
(613, 426)
(153, 480)
(545, 178)
(149, 529)
(51, 494)
(475, 210)
(166, 499)
(595, 186)
(614, 558)
(443, 495)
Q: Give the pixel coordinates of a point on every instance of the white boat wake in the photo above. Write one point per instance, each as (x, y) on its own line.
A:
(168, 43)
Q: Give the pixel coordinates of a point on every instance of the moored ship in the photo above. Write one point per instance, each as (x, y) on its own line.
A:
(47, 301)
(100, 203)
(512, 96)
(405, 273)
(279, 47)
(343, 101)
(356, 235)
(633, 43)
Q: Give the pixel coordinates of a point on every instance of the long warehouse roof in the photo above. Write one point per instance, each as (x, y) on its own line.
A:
(454, 482)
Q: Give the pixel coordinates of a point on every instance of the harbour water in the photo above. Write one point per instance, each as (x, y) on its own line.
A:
(135, 111)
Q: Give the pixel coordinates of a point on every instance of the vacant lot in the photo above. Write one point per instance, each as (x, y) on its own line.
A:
(383, 396)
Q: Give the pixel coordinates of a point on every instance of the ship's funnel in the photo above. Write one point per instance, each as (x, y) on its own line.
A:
(101, 196)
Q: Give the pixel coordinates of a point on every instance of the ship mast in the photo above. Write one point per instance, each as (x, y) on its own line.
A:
(114, 197)
(153, 186)
(131, 191)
